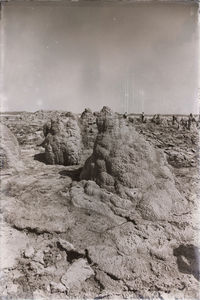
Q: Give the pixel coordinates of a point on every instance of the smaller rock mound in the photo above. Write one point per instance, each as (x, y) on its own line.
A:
(9, 149)
(63, 142)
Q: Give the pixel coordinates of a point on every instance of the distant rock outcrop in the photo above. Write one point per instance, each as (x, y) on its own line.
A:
(9, 149)
(124, 163)
(63, 142)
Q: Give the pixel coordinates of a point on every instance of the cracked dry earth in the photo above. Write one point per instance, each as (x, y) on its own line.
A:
(63, 238)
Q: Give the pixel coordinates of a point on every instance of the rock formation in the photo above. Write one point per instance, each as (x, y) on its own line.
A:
(88, 128)
(9, 149)
(63, 142)
(127, 233)
(124, 163)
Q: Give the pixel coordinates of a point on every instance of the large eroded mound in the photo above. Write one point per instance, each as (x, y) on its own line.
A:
(124, 163)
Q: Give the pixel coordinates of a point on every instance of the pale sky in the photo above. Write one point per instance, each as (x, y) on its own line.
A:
(139, 57)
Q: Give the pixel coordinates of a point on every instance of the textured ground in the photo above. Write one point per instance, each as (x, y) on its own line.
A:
(63, 238)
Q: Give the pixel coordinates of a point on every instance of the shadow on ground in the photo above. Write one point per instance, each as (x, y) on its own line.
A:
(73, 174)
(188, 260)
(40, 157)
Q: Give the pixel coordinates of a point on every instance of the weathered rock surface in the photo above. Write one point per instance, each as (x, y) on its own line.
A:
(77, 273)
(180, 145)
(27, 127)
(132, 252)
(12, 243)
(9, 149)
(111, 241)
(38, 209)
